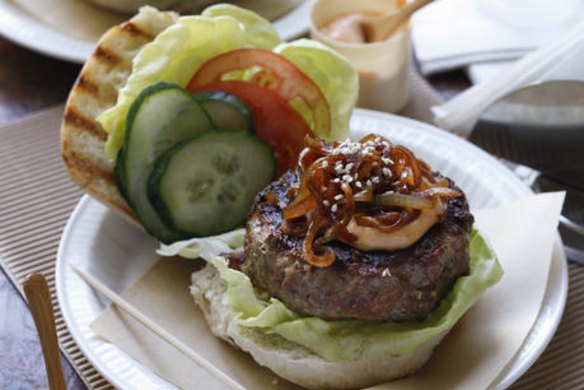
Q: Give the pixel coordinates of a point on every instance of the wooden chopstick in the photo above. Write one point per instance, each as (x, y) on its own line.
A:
(38, 296)
(157, 329)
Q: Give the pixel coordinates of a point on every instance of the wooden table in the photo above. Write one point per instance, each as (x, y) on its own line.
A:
(30, 82)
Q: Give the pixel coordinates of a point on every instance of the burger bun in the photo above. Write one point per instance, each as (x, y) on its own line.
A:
(290, 360)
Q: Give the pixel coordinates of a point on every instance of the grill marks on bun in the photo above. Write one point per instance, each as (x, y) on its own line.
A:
(96, 90)
(80, 122)
(136, 31)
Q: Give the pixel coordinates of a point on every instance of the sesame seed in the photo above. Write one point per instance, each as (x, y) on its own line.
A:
(386, 272)
(334, 208)
(368, 182)
(336, 180)
(338, 197)
(386, 171)
(325, 164)
(350, 166)
(358, 184)
(376, 179)
(326, 203)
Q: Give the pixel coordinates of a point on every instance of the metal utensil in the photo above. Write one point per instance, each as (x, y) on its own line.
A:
(541, 126)
(39, 302)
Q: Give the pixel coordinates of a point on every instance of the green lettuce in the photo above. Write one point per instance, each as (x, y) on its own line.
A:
(338, 341)
(176, 54)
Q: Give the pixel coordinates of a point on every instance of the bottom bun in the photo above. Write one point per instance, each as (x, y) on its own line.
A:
(290, 360)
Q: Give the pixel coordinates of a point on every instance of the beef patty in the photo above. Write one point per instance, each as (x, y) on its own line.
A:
(402, 285)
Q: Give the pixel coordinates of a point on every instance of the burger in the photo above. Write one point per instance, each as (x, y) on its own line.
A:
(350, 270)
(336, 263)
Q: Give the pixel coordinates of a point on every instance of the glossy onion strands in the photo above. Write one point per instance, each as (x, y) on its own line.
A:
(373, 182)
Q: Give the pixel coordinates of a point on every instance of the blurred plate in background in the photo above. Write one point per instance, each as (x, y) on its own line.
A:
(25, 29)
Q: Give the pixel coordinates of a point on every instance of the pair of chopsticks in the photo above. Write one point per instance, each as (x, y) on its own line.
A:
(39, 300)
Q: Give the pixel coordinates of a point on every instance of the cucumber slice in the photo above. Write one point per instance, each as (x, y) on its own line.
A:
(162, 116)
(206, 185)
(226, 111)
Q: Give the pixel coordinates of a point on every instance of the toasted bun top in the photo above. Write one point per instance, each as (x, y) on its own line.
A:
(95, 90)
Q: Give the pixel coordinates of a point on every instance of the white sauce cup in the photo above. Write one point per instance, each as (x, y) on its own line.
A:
(383, 66)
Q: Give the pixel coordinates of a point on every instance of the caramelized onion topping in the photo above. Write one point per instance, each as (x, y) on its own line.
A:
(373, 182)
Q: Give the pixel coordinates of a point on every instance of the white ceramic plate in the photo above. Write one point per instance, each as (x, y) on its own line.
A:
(118, 253)
(24, 29)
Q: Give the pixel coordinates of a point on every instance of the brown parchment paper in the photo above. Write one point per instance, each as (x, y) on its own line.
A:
(86, 21)
(472, 356)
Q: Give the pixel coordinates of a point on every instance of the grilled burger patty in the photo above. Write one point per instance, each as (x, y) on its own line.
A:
(403, 285)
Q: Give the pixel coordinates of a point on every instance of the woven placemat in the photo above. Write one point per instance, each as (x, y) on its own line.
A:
(37, 197)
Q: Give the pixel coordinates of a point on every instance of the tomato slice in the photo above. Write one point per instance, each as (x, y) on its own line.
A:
(277, 74)
(279, 125)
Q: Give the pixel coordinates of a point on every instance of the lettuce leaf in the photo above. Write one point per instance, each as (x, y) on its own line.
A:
(338, 341)
(176, 54)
